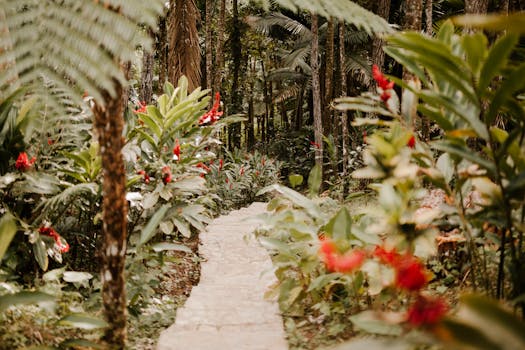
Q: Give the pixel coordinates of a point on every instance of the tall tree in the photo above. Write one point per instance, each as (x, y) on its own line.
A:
(344, 116)
(476, 6)
(329, 76)
(219, 49)
(209, 44)
(146, 76)
(316, 93)
(184, 52)
(429, 7)
(234, 130)
(161, 48)
(378, 55)
(412, 21)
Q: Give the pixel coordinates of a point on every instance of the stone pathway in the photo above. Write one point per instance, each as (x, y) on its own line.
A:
(227, 309)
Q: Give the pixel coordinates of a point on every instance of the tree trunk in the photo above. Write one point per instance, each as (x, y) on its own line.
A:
(429, 24)
(316, 94)
(476, 6)
(378, 55)
(298, 122)
(234, 130)
(344, 116)
(219, 50)
(209, 45)
(329, 74)
(146, 80)
(184, 51)
(250, 135)
(109, 123)
(162, 51)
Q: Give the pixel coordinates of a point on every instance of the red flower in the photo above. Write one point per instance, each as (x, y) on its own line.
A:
(221, 163)
(410, 273)
(241, 171)
(23, 163)
(315, 144)
(385, 96)
(146, 176)
(176, 150)
(50, 142)
(210, 117)
(141, 108)
(61, 244)
(340, 263)
(386, 257)
(426, 311)
(203, 167)
(380, 79)
(166, 175)
(411, 142)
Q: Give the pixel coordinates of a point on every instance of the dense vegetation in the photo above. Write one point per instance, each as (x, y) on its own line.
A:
(122, 135)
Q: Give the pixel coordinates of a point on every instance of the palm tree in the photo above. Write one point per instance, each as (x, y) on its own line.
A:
(316, 94)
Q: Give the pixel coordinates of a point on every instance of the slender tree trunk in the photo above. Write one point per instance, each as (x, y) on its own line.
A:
(378, 55)
(109, 123)
(184, 51)
(345, 138)
(267, 102)
(298, 122)
(316, 93)
(219, 50)
(329, 74)
(412, 21)
(234, 130)
(146, 81)
(250, 135)
(209, 44)
(271, 116)
(476, 6)
(162, 51)
(429, 24)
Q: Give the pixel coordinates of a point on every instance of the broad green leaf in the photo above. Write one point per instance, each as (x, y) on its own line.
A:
(445, 166)
(149, 230)
(475, 47)
(369, 321)
(514, 22)
(166, 227)
(506, 91)
(183, 227)
(458, 332)
(295, 180)
(54, 275)
(77, 276)
(151, 122)
(314, 180)
(296, 198)
(7, 232)
(321, 281)
(496, 60)
(274, 244)
(82, 321)
(466, 153)
(436, 115)
(81, 344)
(40, 253)
(339, 227)
(163, 246)
(24, 297)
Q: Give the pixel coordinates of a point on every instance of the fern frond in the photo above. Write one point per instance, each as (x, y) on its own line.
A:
(75, 44)
(345, 10)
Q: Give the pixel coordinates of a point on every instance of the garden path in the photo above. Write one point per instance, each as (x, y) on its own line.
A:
(227, 309)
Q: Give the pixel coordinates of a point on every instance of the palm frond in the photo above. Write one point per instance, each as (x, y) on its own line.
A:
(74, 44)
(345, 10)
(265, 24)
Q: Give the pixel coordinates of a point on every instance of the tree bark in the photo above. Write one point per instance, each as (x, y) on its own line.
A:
(109, 123)
(184, 51)
(162, 51)
(476, 6)
(234, 130)
(378, 55)
(429, 24)
(329, 74)
(146, 80)
(316, 94)
(209, 45)
(344, 116)
(219, 50)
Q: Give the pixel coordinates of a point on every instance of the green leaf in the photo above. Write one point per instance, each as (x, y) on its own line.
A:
(296, 198)
(40, 253)
(149, 230)
(274, 244)
(321, 281)
(82, 321)
(314, 180)
(496, 60)
(24, 297)
(513, 83)
(7, 232)
(465, 334)
(369, 322)
(445, 165)
(339, 227)
(475, 47)
(159, 247)
(295, 180)
(514, 22)
(83, 343)
(151, 121)
(184, 228)
(76, 276)
(53, 275)
(466, 153)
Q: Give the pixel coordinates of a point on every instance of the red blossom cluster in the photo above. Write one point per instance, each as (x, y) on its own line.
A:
(60, 243)
(210, 117)
(344, 263)
(382, 83)
(204, 167)
(176, 150)
(221, 164)
(166, 175)
(145, 175)
(411, 142)
(241, 171)
(141, 107)
(23, 163)
(410, 275)
(315, 145)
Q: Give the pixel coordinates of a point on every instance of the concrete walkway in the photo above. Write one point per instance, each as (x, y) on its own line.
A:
(227, 309)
